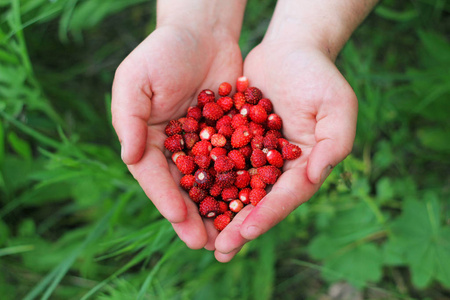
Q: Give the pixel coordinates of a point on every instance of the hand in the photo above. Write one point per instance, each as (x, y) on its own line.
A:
(156, 83)
(319, 111)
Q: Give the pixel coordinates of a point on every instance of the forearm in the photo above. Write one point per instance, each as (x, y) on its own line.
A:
(203, 15)
(326, 24)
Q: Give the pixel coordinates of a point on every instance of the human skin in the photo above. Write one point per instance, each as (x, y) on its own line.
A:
(195, 46)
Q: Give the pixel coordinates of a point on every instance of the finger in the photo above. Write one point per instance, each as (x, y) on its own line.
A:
(292, 189)
(212, 234)
(226, 257)
(152, 173)
(130, 108)
(192, 230)
(335, 133)
(230, 238)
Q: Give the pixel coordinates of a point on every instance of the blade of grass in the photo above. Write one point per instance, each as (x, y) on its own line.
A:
(16, 250)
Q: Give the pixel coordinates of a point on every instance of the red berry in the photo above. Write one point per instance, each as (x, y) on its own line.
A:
(257, 183)
(226, 103)
(176, 154)
(216, 152)
(281, 143)
(238, 120)
(197, 194)
(218, 140)
(173, 127)
(246, 151)
(215, 190)
(256, 129)
(239, 100)
(244, 195)
(275, 158)
(236, 205)
(190, 139)
(209, 207)
(257, 142)
(226, 131)
(187, 182)
(291, 151)
(225, 120)
(223, 164)
(226, 179)
(241, 84)
(267, 104)
(252, 95)
(194, 112)
(258, 114)
(174, 143)
(245, 109)
(238, 159)
(203, 179)
(230, 193)
(202, 148)
(206, 133)
(202, 161)
(258, 158)
(274, 122)
(224, 89)
(212, 111)
(242, 179)
(205, 96)
(270, 141)
(241, 137)
(256, 196)
(269, 174)
(185, 164)
(221, 221)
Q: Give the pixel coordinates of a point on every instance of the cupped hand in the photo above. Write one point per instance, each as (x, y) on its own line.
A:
(319, 111)
(156, 83)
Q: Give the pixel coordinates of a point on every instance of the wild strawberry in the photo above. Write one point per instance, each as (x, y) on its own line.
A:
(238, 100)
(275, 133)
(281, 143)
(232, 112)
(173, 127)
(226, 131)
(252, 171)
(245, 110)
(216, 152)
(267, 104)
(221, 221)
(225, 120)
(215, 190)
(242, 179)
(236, 205)
(241, 137)
(224, 89)
(275, 158)
(226, 103)
(218, 140)
(274, 122)
(174, 143)
(258, 114)
(206, 133)
(226, 179)
(203, 179)
(252, 95)
(238, 159)
(187, 182)
(209, 207)
(223, 207)
(202, 161)
(257, 183)
(212, 111)
(176, 154)
(256, 196)
(291, 151)
(185, 164)
(190, 139)
(238, 120)
(194, 112)
(246, 151)
(205, 96)
(258, 158)
(269, 174)
(244, 195)
(202, 148)
(270, 141)
(241, 84)
(197, 194)
(257, 142)
(223, 164)
(230, 193)
(256, 129)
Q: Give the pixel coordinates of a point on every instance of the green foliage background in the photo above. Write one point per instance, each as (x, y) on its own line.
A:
(75, 225)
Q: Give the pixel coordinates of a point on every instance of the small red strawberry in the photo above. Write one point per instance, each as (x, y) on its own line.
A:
(258, 158)
(173, 127)
(236, 205)
(252, 95)
(270, 141)
(221, 221)
(274, 122)
(226, 103)
(238, 100)
(244, 195)
(226, 131)
(215, 190)
(241, 84)
(257, 183)
(187, 182)
(190, 139)
(258, 114)
(209, 207)
(241, 137)
(218, 140)
(223, 207)
(246, 151)
(242, 179)
(205, 96)
(267, 104)
(257, 142)
(276, 133)
(203, 179)
(225, 120)
(223, 164)
(174, 143)
(238, 120)
(212, 111)
(269, 174)
(291, 151)
(238, 159)
(224, 89)
(194, 112)
(245, 110)
(185, 164)
(197, 194)
(176, 154)
(256, 195)
(275, 158)
(281, 143)
(202, 161)
(202, 148)
(230, 193)
(216, 152)
(226, 179)
(256, 129)
(206, 133)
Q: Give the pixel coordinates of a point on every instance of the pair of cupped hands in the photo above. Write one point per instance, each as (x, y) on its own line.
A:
(162, 77)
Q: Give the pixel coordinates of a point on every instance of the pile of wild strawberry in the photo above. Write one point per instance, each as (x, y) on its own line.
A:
(229, 149)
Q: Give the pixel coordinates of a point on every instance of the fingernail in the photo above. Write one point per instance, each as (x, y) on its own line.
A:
(122, 151)
(252, 232)
(326, 172)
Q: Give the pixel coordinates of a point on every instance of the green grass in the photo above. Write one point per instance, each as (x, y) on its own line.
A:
(75, 225)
